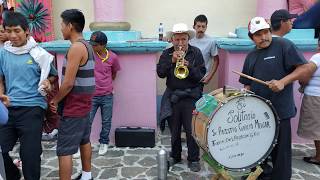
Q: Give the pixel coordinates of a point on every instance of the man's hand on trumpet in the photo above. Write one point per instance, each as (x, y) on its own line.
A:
(177, 55)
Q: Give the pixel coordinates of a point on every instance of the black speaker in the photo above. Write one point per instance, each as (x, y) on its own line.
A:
(134, 137)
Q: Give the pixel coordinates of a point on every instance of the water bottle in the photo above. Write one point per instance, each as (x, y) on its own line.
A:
(160, 32)
(162, 164)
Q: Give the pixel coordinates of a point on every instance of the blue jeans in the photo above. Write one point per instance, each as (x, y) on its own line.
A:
(105, 103)
(309, 19)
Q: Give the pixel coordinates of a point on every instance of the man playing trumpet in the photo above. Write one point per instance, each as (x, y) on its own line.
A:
(183, 66)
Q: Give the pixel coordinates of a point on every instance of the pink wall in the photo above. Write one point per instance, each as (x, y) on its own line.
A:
(108, 10)
(134, 94)
(266, 7)
(234, 61)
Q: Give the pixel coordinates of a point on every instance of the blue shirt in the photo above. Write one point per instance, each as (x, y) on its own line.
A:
(21, 76)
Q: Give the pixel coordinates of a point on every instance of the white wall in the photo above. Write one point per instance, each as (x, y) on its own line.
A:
(58, 6)
(223, 15)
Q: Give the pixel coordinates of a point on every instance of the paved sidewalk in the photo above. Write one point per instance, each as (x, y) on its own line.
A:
(140, 163)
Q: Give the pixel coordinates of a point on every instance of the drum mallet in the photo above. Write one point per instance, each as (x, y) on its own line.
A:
(251, 78)
(162, 164)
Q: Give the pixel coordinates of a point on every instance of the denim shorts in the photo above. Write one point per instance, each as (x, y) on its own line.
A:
(73, 132)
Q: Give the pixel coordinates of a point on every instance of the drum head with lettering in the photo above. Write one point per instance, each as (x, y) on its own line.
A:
(242, 132)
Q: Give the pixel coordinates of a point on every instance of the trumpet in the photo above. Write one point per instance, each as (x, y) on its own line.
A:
(181, 71)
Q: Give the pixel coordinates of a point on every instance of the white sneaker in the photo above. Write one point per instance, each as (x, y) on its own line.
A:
(53, 135)
(103, 149)
(54, 132)
(76, 155)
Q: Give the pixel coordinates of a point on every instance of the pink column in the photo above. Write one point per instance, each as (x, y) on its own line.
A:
(108, 10)
(266, 7)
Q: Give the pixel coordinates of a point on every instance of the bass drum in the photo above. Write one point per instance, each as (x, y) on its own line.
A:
(240, 132)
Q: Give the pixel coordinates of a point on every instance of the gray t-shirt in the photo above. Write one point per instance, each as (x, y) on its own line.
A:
(208, 47)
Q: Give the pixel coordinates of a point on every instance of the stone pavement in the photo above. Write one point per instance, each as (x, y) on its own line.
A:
(140, 163)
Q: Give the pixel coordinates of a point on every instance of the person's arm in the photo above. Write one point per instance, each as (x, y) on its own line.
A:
(1, 85)
(213, 69)
(115, 67)
(215, 59)
(1, 9)
(294, 64)
(305, 78)
(48, 83)
(51, 79)
(164, 65)
(114, 75)
(278, 85)
(76, 55)
(197, 71)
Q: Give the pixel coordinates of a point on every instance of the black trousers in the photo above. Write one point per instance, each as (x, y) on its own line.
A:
(25, 124)
(182, 116)
(282, 153)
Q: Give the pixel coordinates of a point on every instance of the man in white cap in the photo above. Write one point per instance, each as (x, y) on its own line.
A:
(278, 62)
(181, 94)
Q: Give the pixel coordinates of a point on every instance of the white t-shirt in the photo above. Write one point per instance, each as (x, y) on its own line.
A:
(1, 2)
(208, 47)
(313, 87)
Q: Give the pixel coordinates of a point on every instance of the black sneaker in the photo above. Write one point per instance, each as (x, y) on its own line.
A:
(79, 177)
(194, 166)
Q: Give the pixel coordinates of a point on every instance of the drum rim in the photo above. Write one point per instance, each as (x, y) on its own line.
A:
(200, 144)
(274, 141)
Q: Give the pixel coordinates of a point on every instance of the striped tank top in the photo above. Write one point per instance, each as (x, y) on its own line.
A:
(78, 102)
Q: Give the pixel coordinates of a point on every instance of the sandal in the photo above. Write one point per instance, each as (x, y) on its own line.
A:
(311, 160)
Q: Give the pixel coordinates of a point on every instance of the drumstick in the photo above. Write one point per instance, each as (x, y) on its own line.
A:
(251, 78)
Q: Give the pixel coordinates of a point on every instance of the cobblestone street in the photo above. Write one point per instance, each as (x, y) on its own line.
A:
(140, 163)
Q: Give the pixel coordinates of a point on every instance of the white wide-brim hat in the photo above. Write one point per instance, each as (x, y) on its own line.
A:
(179, 29)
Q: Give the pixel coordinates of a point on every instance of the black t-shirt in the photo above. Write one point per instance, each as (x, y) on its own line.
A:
(196, 67)
(274, 62)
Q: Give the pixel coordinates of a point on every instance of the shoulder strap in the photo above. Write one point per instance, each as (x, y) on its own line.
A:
(89, 48)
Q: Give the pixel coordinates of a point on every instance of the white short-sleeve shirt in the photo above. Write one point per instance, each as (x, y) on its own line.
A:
(313, 87)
